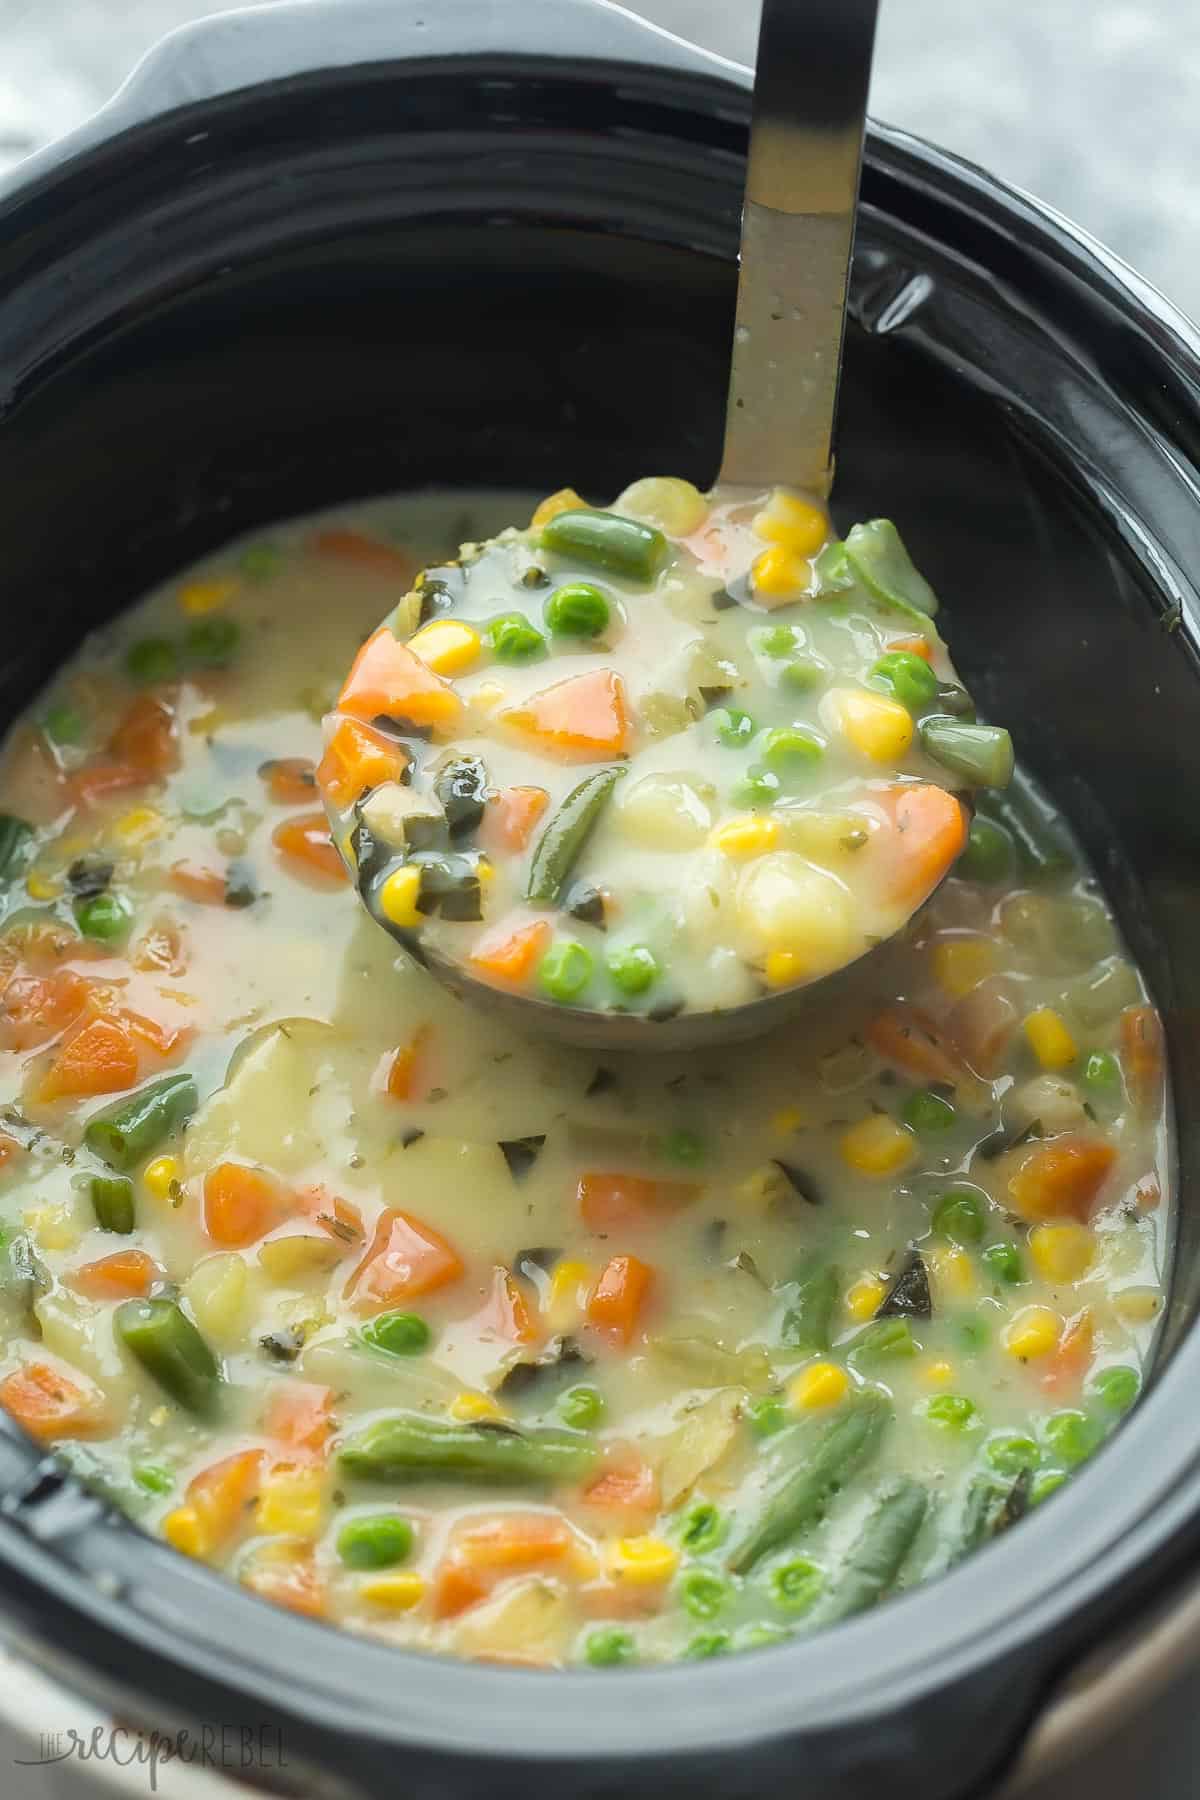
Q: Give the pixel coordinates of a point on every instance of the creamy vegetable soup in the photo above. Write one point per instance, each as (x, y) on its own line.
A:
(483, 1345)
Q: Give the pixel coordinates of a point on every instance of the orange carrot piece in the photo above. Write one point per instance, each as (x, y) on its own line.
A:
(404, 1067)
(198, 882)
(338, 1217)
(505, 1313)
(240, 1204)
(388, 680)
(510, 955)
(1142, 1057)
(487, 1550)
(287, 1576)
(289, 780)
(300, 1415)
(146, 738)
(348, 546)
(930, 831)
(404, 1259)
(982, 1025)
(907, 1037)
(100, 1058)
(124, 1275)
(51, 1404)
(617, 1299)
(627, 1487)
(1071, 1358)
(610, 1202)
(915, 646)
(358, 757)
(224, 1493)
(456, 1586)
(160, 950)
(306, 843)
(96, 781)
(1061, 1178)
(37, 1008)
(510, 816)
(164, 1040)
(583, 719)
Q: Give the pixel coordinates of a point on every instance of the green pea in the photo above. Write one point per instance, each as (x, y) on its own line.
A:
(609, 1647)
(795, 1585)
(153, 1478)
(1009, 1452)
(63, 725)
(779, 641)
(734, 728)
(212, 642)
(1117, 1388)
(565, 971)
(973, 1334)
(259, 561)
(1005, 1263)
(577, 610)
(632, 967)
(684, 1147)
(1046, 1484)
(908, 677)
(374, 1542)
(766, 1415)
(399, 1333)
(926, 1113)
(513, 639)
(581, 1407)
(152, 660)
(760, 1637)
(803, 674)
(791, 747)
(988, 854)
(704, 1527)
(703, 1593)
(953, 1412)
(105, 917)
(709, 1643)
(1102, 1076)
(758, 787)
(1071, 1436)
(959, 1216)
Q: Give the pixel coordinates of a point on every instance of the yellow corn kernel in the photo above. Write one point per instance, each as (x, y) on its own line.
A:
(290, 1503)
(875, 725)
(398, 1592)
(864, 1298)
(644, 1561)
(952, 1270)
(787, 519)
(564, 500)
(446, 646)
(1137, 1305)
(207, 596)
(751, 835)
(570, 1285)
(183, 1531)
(780, 573)
(484, 871)
(398, 898)
(138, 826)
(877, 1145)
(1062, 1252)
(784, 968)
(1049, 1038)
(1032, 1333)
(787, 1119)
(961, 963)
(468, 1407)
(54, 1227)
(41, 886)
(821, 1384)
(159, 1174)
(937, 1374)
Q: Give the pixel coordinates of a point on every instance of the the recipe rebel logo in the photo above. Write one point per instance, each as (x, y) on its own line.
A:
(232, 1749)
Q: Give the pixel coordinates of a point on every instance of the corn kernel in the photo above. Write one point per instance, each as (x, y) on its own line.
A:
(207, 596)
(159, 1174)
(784, 968)
(446, 646)
(1062, 1252)
(582, 1560)
(398, 898)
(1049, 1039)
(787, 1119)
(183, 1531)
(468, 1407)
(54, 1227)
(1136, 1305)
(865, 1297)
(485, 872)
(138, 826)
(290, 1503)
(398, 1592)
(564, 500)
(1032, 1333)
(751, 835)
(570, 1284)
(937, 1374)
(821, 1384)
(876, 726)
(644, 1561)
(41, 886)
(877, 1145)
(961, 963)
(787, 519)
(780, 573)
(952, 1270)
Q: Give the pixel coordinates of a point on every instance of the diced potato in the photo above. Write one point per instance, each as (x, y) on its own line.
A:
(529, 1622)
(669, 810)
(299, 1255)
(218, 1292)
(675, 506)
(1050, 1098)
(706, 901)
(784, 903)
(833, 839)
(397, 815)
(706, 1435)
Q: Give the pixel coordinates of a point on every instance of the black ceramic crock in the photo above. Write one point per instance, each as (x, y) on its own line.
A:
(318, 251)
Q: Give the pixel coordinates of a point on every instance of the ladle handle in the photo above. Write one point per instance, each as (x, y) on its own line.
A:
(810, 102)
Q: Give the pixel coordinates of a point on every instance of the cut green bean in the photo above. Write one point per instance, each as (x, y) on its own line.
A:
(159, 1334)
(801, 1495)
(1042, 851)
(562, 842)
(410, 1447)
(876, 556)
(605, 540)
(112, 1202)
(126, 1132)
(981, 754)
(807, 1322)
(16, 844)
(879, 1553)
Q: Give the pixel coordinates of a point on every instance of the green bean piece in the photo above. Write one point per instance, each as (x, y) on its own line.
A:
(879, 1553)
(832, 569)
(981, 754)
(1005, 1263)
(958, 1216)
(609, 1647)
(16, 845)
(1117, 1388)
(800, 1495)
(877, 558)
(704, 1528)
(104, 917)
(766, 1414)
(374, 1542)
(704, 1594)
(906, 676)
(733, 727)
(397, 1333)
(1042, 852)
(990, 1507)
(112, 1202)
(806, 1323)
(605, 540)
(581, 1407)
(988, 853)
(122, 1134)
(160, 1336)
(24, 1278)
(797, 1585)
(513, 639)
(565, 971)
(412, 1447)
(152, 660)
(212, 642)
(883, 1340)
(561, 843)
(577, 610)
(927, 1114)
(632, 967)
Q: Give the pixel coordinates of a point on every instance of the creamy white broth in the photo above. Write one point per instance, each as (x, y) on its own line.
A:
(298, 1006)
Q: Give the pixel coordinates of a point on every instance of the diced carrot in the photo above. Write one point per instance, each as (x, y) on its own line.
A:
(51, 1404)
(388, 680)
(96, 781)
(124, 1274)
(982, 1025)
(1062, 1177)
(358, 757)
(37, 1008)
(146, 738)
(340, 542)
(164, 1040)
(240, 1204)
(403, 1069)
(583, 719)
(485, 1551)
(161, 949)
(910, 1039)
(286, 1574)
(510, 955)
(338, 1217)
(306, 842)
(100, 1058)
(223, 1496)
(456, 1586)
(1071, 1358)
(290, 780)
(610, 1202)
(616, 1301)
(1142, 1057)
(610, 1599)
(10, 1150)
(404, 1259)
(505, 1314)
(198, 882)
(1147, 1193)
(300, 1415)
(510, 816)
(914, 646)
(930, 831)
(629, 1486)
